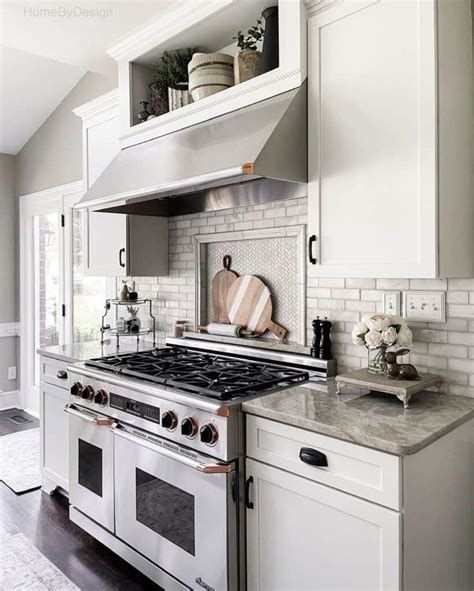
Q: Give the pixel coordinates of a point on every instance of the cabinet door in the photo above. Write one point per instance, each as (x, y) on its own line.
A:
(54, 437)
(306, 536)
(372, 139)
(105, 233)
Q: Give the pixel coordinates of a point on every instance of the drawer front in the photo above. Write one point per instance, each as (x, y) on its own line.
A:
(52, 372)
(360, 471)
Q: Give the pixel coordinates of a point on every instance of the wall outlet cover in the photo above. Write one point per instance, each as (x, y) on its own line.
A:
(391, 303)
(12, 373)
(424, 306)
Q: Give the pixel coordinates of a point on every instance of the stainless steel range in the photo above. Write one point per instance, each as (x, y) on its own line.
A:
(157, 454)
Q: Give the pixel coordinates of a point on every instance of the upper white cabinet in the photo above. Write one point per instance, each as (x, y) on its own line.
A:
(208, 25)
(115, 245)
(389, 112)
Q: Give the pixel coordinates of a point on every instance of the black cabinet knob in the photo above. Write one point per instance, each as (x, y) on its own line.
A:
(62, 374)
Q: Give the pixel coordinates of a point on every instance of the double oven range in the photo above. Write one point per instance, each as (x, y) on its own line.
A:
(157, 454)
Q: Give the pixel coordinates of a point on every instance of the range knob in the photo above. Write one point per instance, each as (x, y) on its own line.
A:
(189, 427)
(169, 420)
(101, 397)
(208, 434)
(88, 393)
(76, 389)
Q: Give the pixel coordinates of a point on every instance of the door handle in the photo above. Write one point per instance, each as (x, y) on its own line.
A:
(62, 374)
(97, 420)
(121, 252)
(248, 503)
(312, 259)
(313, 457)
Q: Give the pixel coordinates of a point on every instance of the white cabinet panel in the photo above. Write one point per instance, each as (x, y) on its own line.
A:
(106, 249)
(54, 437)
(305, 536)
(102, 146)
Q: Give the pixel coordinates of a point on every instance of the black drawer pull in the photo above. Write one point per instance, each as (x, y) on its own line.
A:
(62, 374)
(311, 242)
(248, 502)
(313, 457)
(121, 252)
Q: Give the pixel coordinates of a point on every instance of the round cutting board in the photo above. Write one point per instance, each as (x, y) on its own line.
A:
(249, 304)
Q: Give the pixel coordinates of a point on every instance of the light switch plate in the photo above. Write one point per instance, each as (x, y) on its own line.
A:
(391, 302)
(424, 306)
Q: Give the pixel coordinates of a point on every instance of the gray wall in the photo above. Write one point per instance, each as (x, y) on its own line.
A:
(53, 155)
(8, 266)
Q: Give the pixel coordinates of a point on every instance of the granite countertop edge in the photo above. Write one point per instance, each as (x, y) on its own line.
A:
(394, 448)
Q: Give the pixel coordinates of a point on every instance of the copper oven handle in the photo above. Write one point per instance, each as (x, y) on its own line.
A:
(99, 421)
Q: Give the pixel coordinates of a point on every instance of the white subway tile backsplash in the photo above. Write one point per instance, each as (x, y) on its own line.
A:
(446, 349)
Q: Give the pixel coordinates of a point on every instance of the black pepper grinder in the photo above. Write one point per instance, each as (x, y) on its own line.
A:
(316, 344)
(325, 351)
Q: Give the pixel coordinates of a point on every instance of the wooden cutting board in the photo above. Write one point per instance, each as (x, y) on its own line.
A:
(249, 304)
(219, 289)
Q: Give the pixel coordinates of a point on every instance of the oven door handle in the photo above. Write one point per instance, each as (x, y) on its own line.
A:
(203, 467)
(98, 420)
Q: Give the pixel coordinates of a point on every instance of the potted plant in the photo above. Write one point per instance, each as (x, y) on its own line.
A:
(380, 333)
(247, 60)
(169, 90)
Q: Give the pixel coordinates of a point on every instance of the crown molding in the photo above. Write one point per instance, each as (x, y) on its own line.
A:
(106, 103)
(179, 17)
(316, 6)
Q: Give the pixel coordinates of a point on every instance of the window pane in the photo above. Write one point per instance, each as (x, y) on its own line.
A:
(165, 509)
(89, 292)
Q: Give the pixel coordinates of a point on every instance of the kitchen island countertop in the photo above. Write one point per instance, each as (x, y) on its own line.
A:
(378, 421)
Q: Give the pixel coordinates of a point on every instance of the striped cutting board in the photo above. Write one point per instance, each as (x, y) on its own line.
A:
(249, 304)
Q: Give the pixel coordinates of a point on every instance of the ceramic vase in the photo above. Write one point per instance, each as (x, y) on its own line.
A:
(271, 47)
(179, 96)
(210, 73)
(247, 64)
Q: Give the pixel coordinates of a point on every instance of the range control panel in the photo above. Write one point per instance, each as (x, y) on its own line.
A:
(138, 409)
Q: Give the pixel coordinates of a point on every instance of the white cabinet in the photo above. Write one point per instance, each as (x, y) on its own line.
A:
(389, 138)
(305, 536)
(115, 245)
(54, 434)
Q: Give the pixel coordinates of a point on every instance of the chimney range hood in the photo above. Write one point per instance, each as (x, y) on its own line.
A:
(254, 155)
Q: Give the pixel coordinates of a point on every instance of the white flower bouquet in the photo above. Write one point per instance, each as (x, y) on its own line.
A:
(381, 333)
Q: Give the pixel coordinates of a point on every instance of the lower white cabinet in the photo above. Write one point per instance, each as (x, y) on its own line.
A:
(302, 535)
(54, 433)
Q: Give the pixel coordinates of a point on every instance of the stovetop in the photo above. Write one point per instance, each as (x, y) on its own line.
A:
(200, 372)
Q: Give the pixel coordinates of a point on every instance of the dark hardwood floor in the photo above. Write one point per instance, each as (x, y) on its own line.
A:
(44, 520)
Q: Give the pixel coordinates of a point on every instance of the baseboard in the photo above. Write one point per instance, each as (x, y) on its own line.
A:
(10, 399)
(30, 411)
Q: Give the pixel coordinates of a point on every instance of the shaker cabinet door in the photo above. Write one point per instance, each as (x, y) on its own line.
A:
(372, 139)
(305, 536)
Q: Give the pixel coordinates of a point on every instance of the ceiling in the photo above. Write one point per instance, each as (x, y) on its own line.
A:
(46, 48)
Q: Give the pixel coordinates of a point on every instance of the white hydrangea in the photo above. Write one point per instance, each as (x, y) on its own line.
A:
(373, 339)
(377, 321)
(358, 333)
(389, 335)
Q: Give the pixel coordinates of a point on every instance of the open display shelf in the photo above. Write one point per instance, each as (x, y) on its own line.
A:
(107, 329)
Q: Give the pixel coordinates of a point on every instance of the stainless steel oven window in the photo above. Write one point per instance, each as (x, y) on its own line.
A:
(165, 509)
(90, 467)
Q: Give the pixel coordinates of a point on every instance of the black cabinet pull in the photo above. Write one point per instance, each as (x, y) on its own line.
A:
(312, 258)
(61, 375)
(121, 252)
(313, 457)
(248, 502)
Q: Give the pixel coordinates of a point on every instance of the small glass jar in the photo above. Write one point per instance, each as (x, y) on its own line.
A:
(376, 361)
(179, 327)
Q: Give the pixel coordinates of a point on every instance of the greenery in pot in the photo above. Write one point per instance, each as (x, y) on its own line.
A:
(247, 61)
(172, 70)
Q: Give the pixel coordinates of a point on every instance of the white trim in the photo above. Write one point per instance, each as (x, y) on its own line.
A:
(9, 329)
(11, 399)
(100, 106)
(280, 232)
(178, 17)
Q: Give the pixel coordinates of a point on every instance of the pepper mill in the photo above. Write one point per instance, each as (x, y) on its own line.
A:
(316, 344)
(325, 351)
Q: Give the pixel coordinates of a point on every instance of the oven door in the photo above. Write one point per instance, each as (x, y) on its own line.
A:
(91, 464)
(176, 508)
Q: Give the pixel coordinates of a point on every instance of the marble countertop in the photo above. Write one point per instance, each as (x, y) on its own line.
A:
(82, 351)
(378, 421)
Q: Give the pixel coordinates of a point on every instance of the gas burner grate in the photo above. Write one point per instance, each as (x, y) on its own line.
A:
(205, 374)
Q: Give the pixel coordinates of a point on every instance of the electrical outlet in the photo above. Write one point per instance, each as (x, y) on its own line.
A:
(391, 302)
(12, 373)
(424, 306)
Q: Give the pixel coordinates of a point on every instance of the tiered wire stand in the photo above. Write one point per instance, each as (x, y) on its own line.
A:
(107, 330)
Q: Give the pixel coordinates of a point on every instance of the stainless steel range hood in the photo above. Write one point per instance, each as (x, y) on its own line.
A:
(209, 166)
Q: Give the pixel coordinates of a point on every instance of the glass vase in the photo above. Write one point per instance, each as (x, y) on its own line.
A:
(376, 361)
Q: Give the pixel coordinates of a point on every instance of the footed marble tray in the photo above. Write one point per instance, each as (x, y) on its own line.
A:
(402, 389)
